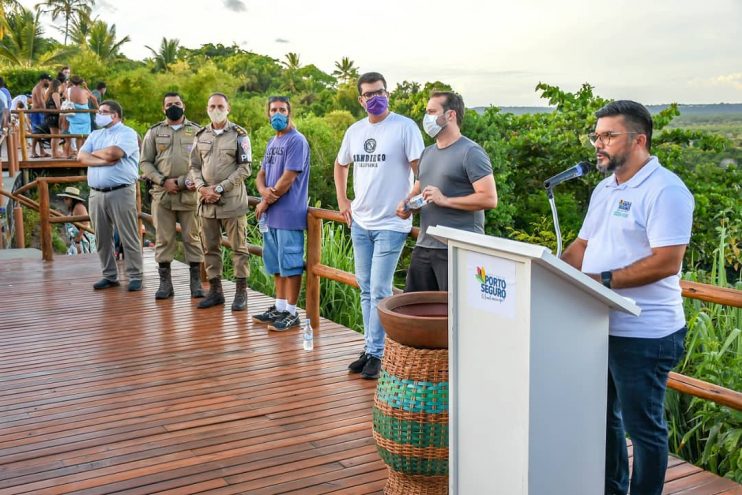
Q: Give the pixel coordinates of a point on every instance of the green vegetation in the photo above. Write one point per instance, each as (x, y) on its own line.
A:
(524, 148)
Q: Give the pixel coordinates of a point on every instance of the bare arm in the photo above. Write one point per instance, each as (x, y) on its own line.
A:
(284, 182)
(484, 196)
(663, 262)
(575, 253)
(341, 191)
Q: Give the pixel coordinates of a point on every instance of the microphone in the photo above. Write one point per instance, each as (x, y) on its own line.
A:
(578, 170)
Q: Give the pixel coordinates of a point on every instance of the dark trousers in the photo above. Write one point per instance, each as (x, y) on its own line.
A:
(428, 270)
(637, 379)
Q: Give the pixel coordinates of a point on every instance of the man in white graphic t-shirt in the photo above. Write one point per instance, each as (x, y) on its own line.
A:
(383, 148)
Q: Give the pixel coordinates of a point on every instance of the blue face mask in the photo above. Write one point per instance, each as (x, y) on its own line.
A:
(279, 121)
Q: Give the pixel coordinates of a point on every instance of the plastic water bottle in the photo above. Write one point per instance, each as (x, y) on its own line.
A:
(263, 224)
(308, 336)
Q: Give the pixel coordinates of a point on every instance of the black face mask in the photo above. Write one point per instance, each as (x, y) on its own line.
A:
(174, 112)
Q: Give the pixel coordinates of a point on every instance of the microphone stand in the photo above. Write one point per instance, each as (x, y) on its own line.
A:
(550, 194)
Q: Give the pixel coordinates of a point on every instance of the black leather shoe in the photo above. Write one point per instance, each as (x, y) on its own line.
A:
(372, 368)
(134, 285)
(357, 365)
(104, 283)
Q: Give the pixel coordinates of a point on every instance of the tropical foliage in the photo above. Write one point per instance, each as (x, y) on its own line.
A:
(524, 149)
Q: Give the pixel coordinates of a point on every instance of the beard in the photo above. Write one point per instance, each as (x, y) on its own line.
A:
(615, 162)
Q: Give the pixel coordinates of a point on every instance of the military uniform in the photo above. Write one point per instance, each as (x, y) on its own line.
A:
(166, 155)
(223, 159)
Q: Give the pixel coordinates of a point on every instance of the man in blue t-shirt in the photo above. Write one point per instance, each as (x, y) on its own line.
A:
(283, 184)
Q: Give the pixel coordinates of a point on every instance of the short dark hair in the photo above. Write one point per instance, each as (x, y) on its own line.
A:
(115, 106)
(100, 85)
(45, 77)
(453, 101)
(216, 93)
(282, 99)
(170, 94)
(76, 80)
(637, 117)
(2, 82)
(370, 77)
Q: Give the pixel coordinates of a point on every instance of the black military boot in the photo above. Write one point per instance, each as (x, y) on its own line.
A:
(165, 291)
(215, 295)
(240, 295)
(197, 291)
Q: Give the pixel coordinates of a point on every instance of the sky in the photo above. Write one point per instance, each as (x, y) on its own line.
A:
(493, 52)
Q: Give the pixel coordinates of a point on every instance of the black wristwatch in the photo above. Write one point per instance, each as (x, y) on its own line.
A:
(606, 278)
(162, 182)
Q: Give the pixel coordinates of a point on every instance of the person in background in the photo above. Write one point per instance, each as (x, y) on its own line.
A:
(165, 161)
(220, 163)
(79, 123)
(80, 240)
(38, 120)
(53, 101)
(384, 149)
(283, 184)
(633, 240)
(456, 182)
(6, 92)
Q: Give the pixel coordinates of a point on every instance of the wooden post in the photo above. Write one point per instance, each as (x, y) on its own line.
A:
(22, 131)
(20, 237)
(314, 256)
(47, 254)
(12, 146)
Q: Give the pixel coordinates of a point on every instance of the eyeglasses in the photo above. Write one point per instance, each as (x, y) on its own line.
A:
(370, 94)
(605, 137)
(282, 99)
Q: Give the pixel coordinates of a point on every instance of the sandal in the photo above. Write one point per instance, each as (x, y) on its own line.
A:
(34, 155)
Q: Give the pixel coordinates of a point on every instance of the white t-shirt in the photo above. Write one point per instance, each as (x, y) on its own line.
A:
(382, 177)
(623, 223)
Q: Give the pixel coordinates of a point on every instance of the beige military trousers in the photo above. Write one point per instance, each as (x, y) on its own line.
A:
(165, 235)
(117, 209)
(211, 236)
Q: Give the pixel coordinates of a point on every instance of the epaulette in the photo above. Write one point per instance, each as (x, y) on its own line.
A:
(156, 125)
(198, 132)
(194, 124)
(240, 130)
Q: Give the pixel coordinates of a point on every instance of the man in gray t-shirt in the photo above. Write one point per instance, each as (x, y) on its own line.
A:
(456, 183)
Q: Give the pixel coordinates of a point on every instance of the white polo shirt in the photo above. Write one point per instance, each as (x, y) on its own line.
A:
(623, 223)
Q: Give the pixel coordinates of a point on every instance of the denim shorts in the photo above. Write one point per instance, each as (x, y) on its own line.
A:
(283, 252)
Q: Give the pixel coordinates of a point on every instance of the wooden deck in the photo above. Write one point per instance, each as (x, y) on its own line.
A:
(113, 392)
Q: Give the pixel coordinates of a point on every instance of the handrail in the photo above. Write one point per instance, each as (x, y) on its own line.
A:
(316, 271)
(23, 135)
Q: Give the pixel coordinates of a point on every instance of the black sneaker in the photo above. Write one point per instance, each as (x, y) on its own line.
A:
(104, 283)
(357, 365)
(286, 321)
(269, 316)
(372, 368)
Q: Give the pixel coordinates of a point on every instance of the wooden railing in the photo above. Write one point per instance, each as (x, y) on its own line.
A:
(316, 270)
(23, 135)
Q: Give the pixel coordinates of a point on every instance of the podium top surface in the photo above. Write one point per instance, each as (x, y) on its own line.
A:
(543, 257)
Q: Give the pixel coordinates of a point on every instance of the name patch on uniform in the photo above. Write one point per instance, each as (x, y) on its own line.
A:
(624, 207)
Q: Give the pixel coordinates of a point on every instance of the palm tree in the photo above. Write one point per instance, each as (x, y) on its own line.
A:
(69, 9)
(80, 29)
(102, 41)
(292, 61)
(24, 44)
(167, 54)
(6, 7)
(345, 70)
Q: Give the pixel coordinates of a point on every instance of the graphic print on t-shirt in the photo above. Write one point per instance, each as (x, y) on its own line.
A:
(369, 159)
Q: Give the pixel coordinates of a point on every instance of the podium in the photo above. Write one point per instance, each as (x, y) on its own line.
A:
(528, 366)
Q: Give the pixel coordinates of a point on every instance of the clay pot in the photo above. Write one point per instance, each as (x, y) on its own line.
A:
(416, 319)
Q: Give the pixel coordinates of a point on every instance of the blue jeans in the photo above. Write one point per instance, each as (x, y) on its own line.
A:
(376, 255)
(637, 379)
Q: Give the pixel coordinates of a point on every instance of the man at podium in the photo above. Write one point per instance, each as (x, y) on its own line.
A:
(633, 240)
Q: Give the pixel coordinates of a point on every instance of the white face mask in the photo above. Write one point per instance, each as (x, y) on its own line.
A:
(218, 116)
(430, 124)
(102, 120)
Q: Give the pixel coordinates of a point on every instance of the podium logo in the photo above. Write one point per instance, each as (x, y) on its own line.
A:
(492, 288)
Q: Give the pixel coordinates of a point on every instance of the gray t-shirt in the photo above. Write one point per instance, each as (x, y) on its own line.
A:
(453, 170)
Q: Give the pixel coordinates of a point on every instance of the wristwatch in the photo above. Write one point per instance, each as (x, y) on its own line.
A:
(606, 278)
(162, 182)
(219, 189)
